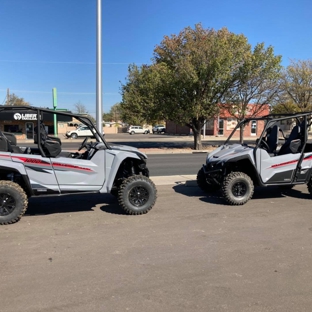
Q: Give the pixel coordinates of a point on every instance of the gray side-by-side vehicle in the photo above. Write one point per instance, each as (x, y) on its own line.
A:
(46, 169)
(273, 159)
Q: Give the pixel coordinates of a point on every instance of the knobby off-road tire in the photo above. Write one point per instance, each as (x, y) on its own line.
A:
(203, 184)
(137, 195)
(13, 202)
(237, 188)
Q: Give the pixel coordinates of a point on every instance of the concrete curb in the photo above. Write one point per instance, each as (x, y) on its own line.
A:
(187, 180)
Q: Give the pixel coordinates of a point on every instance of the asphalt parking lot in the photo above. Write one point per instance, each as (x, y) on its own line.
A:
(191, 252)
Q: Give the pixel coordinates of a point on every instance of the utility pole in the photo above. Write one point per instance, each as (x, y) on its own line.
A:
(99, 114)
(8, 96)
(54, 100)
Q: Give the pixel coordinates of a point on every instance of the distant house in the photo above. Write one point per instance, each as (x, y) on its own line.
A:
(224, 124)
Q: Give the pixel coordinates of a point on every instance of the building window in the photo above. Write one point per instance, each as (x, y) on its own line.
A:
(12, 128)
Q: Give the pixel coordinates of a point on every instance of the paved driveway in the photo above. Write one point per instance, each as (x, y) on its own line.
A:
(189, 253)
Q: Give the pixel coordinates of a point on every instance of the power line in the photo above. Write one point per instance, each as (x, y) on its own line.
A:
(69, 93)
(77, 63)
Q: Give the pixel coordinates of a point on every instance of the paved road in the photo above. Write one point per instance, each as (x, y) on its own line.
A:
(146, 141)
(175, 164)
(189, 253)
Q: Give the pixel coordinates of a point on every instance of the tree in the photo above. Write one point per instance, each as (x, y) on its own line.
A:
(257, 83)
(14, 100)
(296, 85)
(285, 108)
(80, 108)
(140, 95)
(114, 113)
(189, 76)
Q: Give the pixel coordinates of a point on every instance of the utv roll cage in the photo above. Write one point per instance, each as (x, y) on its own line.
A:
(47, 144)
(304, 119)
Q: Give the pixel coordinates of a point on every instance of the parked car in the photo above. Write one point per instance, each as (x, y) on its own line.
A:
(159, 129)
(82, 131)
(138, 129)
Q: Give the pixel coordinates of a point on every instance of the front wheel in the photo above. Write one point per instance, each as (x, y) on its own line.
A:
(13, 202)
(237, 188)
(74, 136)
(137, 195)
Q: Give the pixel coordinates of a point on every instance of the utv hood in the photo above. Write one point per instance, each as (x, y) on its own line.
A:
(228, 151)
(126, 148)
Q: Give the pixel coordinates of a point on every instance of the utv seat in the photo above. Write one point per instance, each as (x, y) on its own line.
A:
(8, 143)
(272, 139)
(303, 134)
(12, 146)
(51, 145)
(292, 143)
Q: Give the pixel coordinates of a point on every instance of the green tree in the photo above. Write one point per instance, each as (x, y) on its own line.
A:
(285, 108)
(257, 83)
(107, 117)
(190, 74)
(140, 98)
(114, 113)
(296, 85)
(14, 100)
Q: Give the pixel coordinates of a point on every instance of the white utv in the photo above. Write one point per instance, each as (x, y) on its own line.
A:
(46, 169)
(273, 159)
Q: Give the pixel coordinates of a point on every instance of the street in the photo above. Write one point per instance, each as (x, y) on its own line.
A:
(191, 252)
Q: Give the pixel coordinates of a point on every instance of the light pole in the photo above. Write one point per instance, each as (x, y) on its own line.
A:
(99, 114)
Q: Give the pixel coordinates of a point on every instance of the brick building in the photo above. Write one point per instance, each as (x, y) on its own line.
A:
(224, 124)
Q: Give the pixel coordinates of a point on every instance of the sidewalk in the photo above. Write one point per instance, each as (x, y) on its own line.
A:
(187, 180)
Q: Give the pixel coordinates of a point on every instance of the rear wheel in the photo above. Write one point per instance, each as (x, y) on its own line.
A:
(137, 195)
(74, 136)
(13, 202)
(237, 188)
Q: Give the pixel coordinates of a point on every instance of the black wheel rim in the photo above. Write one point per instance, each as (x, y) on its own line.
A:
(138, 196)
(239, 189)
(7, 204)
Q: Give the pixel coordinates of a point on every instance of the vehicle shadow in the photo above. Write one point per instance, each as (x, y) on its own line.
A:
(272, 192)
(44, 205)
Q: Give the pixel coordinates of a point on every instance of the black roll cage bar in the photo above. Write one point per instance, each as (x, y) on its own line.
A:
(40, 111)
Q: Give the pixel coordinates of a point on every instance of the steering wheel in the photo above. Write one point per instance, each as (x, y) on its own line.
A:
(264, 145)
(83, 144)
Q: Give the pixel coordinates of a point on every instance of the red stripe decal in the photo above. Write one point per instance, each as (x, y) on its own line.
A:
(284, 164)
(33, 161)
(67, 166)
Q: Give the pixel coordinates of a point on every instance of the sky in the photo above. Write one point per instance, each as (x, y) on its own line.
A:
(47, 44)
